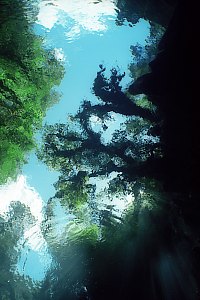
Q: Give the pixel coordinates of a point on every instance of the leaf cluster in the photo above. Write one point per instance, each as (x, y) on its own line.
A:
(28, 74)
(143, 55)
(84, 154)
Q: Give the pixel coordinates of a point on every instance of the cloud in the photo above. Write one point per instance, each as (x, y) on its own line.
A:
(19, 190)
(59, 54)
(87, 14)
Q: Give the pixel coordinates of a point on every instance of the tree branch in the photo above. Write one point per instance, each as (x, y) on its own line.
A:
(115, 100)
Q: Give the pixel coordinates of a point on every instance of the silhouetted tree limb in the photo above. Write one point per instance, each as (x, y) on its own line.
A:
(109, 92)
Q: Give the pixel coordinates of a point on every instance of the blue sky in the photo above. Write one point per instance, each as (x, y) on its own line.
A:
(83, 56)
(87, 36)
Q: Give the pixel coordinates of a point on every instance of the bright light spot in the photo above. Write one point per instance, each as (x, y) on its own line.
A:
(59, 54)
(119, 204)
(86, 15)
(47, 15)
(95, 119)
(141, 192)
(34, 238)
(129, 198)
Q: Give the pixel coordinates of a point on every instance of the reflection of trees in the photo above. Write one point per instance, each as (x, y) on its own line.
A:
(13, 285)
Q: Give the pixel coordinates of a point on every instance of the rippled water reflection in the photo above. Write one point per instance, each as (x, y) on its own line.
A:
(77, 17)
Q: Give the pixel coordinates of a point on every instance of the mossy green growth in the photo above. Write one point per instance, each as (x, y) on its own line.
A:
(28, 74)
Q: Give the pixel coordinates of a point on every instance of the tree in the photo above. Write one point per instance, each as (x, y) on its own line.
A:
(155, 11)
(29, 73)
(12, 226)
(17, 10)
(152, 255)
(77, 149)
(143, 55)
(125, 258)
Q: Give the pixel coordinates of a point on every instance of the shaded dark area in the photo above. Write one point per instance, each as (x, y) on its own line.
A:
(157, 11)
(173, 86)
(109, 91)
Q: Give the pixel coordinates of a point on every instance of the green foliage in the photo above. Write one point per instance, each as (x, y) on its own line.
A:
(10, 160)
(72, 192)
(81, 234)
(143, 55)
(142, 101)
(143, 255)
(99, 258)
(28, 74)
(83, 156)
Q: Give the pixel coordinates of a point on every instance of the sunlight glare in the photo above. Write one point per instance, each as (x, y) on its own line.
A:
(87, 15)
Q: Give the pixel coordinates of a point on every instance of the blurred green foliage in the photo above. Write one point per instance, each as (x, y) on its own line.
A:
(12, 226)
(28, 74)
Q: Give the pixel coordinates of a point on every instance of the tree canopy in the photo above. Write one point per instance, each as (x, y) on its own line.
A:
(143, 55)
(29, 73)
(150, 253)
(82, 152)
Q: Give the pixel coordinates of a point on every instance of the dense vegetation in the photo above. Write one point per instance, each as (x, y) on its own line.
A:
(28, 75)
(80, 152)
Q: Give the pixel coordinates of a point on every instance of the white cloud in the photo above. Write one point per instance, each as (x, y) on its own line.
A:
(87, 14)
(48, 15)
(19, 190)
(59, 54)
